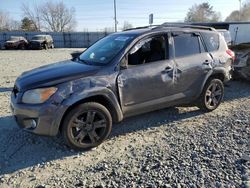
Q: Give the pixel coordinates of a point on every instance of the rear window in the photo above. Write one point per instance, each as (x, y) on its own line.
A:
(186, 44)
(212, 41)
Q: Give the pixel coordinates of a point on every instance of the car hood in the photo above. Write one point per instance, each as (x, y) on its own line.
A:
(54, 74)
(10, 42)
(37, 41)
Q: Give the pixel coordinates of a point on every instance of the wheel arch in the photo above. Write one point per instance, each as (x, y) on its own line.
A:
(216, 74)
(111, 104)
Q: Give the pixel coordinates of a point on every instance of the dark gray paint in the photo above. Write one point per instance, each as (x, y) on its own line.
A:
(129, 91)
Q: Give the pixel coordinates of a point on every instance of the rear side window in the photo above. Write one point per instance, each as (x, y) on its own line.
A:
(212, 41)
(186, 44)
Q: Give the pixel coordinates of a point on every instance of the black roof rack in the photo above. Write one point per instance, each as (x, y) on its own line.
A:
(142, 27)
(183, 25)
(179, 25)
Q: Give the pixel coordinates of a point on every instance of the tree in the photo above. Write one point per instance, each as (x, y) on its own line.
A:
(51, 16)
(234, 16)
(28, 25)
(33, 14)
(244, 15)
(202, 13)
(4, 21)
(57, 17)
(126, 25)
(7, 23)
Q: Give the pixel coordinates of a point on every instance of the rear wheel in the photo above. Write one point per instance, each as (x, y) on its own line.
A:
(212, 95)
(86, 126)
(46, 46)
(21, 47)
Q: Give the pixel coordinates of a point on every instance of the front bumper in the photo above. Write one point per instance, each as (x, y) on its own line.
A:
(35, 46)
(42, 119)
(10, 46)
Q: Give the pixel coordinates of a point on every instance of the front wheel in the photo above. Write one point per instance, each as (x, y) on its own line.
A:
(86, 126)
(46, 46)
(21, 47)
(212, 95)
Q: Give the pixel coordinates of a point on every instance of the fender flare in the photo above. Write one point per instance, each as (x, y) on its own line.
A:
(75, 98)
(215, 71)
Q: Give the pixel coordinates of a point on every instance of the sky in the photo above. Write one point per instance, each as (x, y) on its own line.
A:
(95, 15)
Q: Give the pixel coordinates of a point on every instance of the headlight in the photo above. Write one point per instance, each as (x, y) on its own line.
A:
(38, 96)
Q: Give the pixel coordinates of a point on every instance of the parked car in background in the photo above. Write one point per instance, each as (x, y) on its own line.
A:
(226, 34)
(242, 61)
(122, 75)
(16, 42)
(41, 42)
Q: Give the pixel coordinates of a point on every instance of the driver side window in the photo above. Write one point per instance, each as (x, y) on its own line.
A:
(147, 51)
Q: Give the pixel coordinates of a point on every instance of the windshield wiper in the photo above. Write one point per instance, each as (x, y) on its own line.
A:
(83, 61)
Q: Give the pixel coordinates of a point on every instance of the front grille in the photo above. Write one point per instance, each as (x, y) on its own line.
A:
(35, 45)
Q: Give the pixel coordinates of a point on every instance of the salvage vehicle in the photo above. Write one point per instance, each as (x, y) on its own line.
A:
(226, 34)
(241, 65)
(41, 42)
(122, 75)
(16, 42)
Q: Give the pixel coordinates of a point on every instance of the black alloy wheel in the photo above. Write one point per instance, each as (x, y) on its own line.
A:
(87, 126)
(212, 95)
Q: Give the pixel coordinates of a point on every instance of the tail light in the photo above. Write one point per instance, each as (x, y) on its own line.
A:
(231, 53)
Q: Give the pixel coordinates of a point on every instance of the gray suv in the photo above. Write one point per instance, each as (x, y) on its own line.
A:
(41, 42)
(121, 75)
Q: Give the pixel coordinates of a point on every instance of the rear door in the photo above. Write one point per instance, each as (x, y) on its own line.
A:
(193, 63)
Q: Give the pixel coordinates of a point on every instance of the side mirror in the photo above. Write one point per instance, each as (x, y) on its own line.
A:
(75, 55)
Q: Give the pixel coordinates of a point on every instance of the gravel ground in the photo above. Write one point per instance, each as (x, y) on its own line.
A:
(174, 147)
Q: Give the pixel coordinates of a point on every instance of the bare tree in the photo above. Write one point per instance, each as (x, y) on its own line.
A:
(244, 15)
(57, 17)
(234, 16)
(51, 16)
(7, 23)
(202, 13)
(4, 21)
(33, 14)
(108, 29)
(126, 25)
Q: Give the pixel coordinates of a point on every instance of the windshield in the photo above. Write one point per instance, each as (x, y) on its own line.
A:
(103, 51)
(14, 38)
(37, 38)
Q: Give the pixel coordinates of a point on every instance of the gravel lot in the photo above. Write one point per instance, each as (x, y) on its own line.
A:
(174, 147)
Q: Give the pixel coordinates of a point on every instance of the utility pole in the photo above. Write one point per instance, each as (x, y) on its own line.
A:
(240, 11)
(115, 15)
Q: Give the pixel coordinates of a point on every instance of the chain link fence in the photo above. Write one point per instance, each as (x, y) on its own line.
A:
(62, 39)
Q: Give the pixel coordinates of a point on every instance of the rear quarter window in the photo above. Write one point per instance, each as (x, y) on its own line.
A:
(212, 41)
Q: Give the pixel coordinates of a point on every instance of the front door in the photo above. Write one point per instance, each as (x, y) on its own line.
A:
(148, 78)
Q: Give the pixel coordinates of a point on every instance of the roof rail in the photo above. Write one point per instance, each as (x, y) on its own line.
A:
(183, 25)
(143, 27)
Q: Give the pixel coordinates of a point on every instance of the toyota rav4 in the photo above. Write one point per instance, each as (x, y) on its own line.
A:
(121, 75)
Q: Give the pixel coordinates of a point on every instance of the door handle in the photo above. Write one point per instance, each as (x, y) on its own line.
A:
(207, 65)
(206, 62)
(167, 69)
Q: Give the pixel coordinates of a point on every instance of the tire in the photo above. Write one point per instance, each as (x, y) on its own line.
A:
(86, 126)
(21, 47)
(46, 46)
(212, 95)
